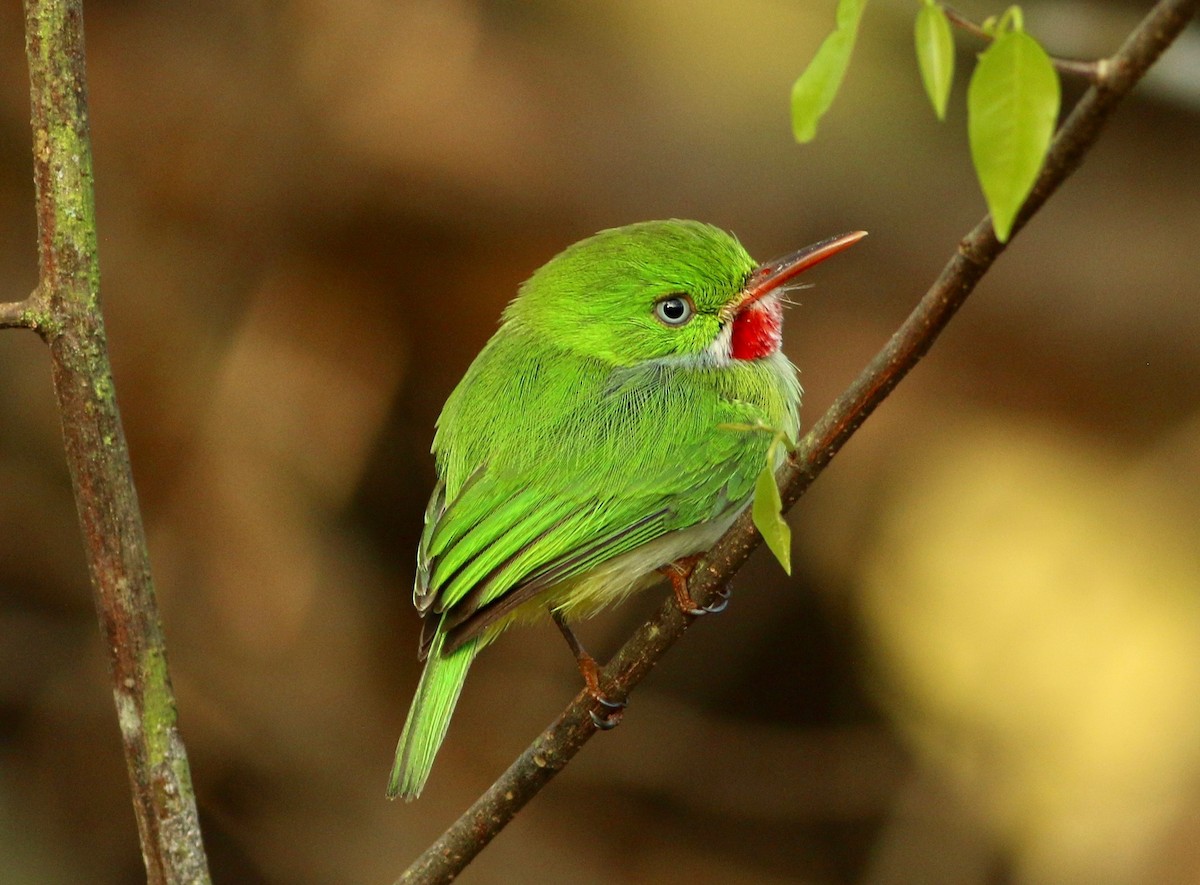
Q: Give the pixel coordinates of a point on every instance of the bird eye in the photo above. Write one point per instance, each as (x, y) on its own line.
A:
(674, 311)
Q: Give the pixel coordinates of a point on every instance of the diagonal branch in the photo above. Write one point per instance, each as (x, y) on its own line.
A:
(65, 310)
(559, 743)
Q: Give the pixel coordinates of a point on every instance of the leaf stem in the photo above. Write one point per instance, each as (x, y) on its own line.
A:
(1092, 71)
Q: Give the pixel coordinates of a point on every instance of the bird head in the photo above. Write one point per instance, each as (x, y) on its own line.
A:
(663, 290)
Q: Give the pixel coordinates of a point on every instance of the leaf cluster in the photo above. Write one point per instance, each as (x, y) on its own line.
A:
(1013, 98)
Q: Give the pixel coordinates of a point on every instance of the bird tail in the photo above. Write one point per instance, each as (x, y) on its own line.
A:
(429, 717)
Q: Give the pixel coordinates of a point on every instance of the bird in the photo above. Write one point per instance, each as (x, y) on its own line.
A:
(603, 438)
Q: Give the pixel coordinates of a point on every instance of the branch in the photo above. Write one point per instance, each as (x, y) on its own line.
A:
(66, 311)
(1092, 71)
(15, 314)
(556, 746)
(32, 313)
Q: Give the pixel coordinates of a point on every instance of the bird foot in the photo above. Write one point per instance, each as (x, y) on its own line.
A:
(610, 712)
(609, 715)
(678, 573)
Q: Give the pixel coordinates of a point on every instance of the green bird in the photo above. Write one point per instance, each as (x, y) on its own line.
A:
(599, 437)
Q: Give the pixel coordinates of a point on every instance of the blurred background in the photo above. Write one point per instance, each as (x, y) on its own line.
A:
(986, 667)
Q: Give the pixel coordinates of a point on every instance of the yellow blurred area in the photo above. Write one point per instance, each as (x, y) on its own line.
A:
(1038, 644)
(985, 668)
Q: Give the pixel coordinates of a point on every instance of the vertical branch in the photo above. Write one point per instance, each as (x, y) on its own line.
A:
(65, 310)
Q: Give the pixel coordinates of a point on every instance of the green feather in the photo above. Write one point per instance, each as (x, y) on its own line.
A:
(428, 718)
(588, 444)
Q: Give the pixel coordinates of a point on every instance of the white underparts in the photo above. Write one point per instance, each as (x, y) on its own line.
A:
(720, 352)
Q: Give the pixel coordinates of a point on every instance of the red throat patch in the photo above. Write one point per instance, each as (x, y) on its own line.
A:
(757, 330)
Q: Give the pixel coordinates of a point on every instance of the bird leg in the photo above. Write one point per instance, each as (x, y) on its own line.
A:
(678, 572)
(591, 677)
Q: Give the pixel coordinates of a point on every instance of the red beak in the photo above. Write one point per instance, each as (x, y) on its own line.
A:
(766, 278)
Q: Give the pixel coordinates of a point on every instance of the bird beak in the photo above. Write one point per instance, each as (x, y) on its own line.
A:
(766, 278)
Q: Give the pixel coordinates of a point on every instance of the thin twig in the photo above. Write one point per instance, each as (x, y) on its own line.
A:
(66, 310)
(556, 746)
(1092, 71)
(960, 21)
(32, 313)
(15, 315)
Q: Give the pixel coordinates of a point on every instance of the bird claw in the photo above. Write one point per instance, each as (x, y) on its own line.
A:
(715, 608)
(610, 717)
(606, 722)
(721, 603)
(678, 573)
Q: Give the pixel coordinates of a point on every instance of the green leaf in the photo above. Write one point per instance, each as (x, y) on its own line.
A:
(1012, 105)
(814, 91)
(768, 517)
(935, 55)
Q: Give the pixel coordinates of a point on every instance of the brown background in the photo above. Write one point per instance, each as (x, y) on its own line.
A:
(985, 668)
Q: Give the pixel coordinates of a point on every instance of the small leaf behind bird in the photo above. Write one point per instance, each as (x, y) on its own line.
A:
(768, 518)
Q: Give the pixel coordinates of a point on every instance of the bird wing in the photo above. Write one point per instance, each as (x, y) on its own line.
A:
(508, 536)
(546, 477)
(497, 546)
